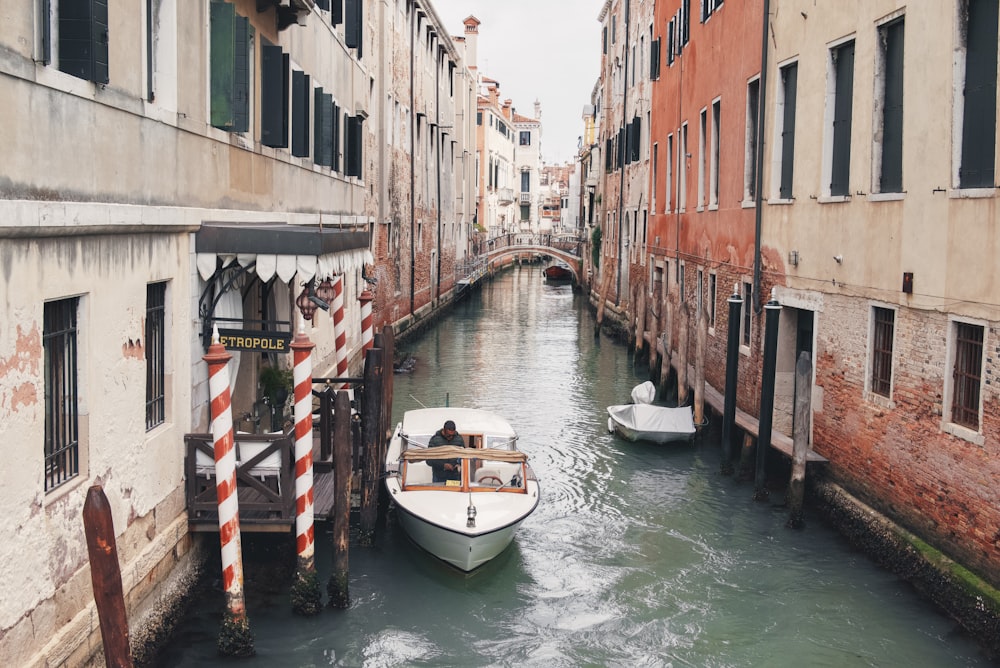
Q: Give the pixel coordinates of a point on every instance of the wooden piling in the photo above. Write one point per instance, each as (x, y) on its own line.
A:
(603, 297)
(699, 367)
(800, 439)
(683, 322)
(747, 455)
(655, 311)
(667, 342)
(640, 320)
(337, 588)
(106, 577)
(371, 426)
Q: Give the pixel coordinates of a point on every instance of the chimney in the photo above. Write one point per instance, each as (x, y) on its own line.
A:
(538, 110)
(471, 42)
(506, 108)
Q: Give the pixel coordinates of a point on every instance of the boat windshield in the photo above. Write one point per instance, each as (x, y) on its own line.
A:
(475, 469)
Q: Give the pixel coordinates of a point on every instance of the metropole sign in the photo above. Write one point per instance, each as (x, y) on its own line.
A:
(255, 340)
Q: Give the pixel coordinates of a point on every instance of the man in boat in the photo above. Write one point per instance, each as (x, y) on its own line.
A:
(446, 469)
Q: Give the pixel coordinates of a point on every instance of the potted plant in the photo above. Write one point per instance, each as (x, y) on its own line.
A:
(276, 385)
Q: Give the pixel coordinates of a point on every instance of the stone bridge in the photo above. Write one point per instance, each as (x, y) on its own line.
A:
(565, 247)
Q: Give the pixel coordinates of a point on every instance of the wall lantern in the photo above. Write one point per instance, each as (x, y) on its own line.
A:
(308, 301)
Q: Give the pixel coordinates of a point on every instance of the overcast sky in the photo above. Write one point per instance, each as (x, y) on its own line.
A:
(545, 50)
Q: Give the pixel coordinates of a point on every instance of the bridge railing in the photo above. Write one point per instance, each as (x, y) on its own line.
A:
(568, 243)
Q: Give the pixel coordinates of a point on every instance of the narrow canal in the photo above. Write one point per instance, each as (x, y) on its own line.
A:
(638, 555)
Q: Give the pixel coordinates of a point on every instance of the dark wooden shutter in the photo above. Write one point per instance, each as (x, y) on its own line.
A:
(229, 69)
(274, 97)
(753, 106)
(979, 118)
(670, 42)
(300, 114)
(354, 142)
(636, 138)
(337, 12)
(335, 140)
(323, 4)
(891, 173)
(607, 155)
(353, 25)
(840, 172)
(789, 75)
(323, 128)
(83, 39)
(654, 59)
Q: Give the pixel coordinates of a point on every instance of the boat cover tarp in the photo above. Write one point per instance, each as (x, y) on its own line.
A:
(646, 418)
(455, 452)
(644, 393)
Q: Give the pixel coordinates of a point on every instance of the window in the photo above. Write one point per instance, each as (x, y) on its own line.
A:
(671, 41)
(842, 62)
(883, 328)
(525, 138)
(274, 93)
(79, 31)
(712, 293)
(702, 130)
(354, 25)
(979, 106)
(667, 203)
(699, 294)
(713, 173)
(525, 182)
(654, 59)
(656, 176)
(967, 374)
(155, 354)
(786, 145)
(300, 114)
(525, 212)
(353, 141)
(889, 95)
(479, 118)
(323, 128)
(62, 435)
(708, 8)
(745, 333)
(750, 155)
(231, 37)
(682, 170)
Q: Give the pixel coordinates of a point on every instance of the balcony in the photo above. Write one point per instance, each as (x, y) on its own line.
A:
(525, 198)
(505, 196)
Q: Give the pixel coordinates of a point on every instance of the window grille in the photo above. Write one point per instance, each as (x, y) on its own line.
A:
(155, 354)
(62, 435)
(882, 336)
(967, 375)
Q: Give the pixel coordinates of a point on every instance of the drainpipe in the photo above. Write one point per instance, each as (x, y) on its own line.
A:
(413, 175)
(437, 158)
(759, 176)
(621, 167)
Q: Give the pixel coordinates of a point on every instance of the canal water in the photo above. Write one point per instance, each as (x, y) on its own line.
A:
(638, 555)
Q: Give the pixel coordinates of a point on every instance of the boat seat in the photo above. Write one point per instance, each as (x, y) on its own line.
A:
(489, 477)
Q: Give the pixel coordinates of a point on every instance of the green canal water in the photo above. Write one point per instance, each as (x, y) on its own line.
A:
(638, 555)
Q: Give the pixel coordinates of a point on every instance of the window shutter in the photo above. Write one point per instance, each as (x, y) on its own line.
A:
(354, 140)
(229, 69)
(654, 59)
(83, 39)
(323, 4)
(636, 137)
(842, 104)
(980, 112)
(353, 25)
(335, 140)
(336, 12)
(274, 97)
(323, 128)
(790, 76)
(300, 114)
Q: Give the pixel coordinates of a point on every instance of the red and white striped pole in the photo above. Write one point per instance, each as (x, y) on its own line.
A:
(306, 598)
(237, 629)
(366, 298)
(339, 328)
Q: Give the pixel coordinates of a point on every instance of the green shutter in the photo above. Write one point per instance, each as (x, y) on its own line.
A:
(274, 97)
(323, 128)
(83, 39)
(222, 70)
(300, 114)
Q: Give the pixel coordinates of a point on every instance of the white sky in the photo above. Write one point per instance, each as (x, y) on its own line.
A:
(545, 50)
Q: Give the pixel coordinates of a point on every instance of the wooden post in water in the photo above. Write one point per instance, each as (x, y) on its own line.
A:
(800, 439)
(683, 334)
(668, 343)
(701, 339)
(640, 320)
(746, 468)
(773, 311)
(337, 587)
(602, 297)
(371, 426)
(386, 341)
(655, 312)
(106, 577)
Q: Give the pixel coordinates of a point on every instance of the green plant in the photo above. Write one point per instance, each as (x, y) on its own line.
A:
(276, 384)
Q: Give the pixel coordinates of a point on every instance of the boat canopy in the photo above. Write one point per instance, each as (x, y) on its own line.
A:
(455, 452)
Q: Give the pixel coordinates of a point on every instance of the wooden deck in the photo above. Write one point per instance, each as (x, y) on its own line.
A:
(266, 498)
(751, 425)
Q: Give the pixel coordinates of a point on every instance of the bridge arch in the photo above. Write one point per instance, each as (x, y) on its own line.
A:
(573, 261)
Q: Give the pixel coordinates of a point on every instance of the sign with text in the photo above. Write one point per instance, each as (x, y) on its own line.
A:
(257, 341)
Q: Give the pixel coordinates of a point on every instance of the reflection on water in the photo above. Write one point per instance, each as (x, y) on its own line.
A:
(638, 555)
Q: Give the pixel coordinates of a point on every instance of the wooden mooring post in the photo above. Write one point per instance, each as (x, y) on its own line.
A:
(371, 429)
(337, 588)
(800, 439)
(683, 334)
(701, 340)
(106, 576)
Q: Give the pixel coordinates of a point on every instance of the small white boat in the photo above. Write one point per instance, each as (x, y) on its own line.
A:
(466, 521)
(645, 422)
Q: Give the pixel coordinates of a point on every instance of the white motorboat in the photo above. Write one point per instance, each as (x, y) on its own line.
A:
(646, 422)
(468, 520)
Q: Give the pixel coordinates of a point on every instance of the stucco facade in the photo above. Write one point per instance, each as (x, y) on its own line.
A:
(167, 187)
